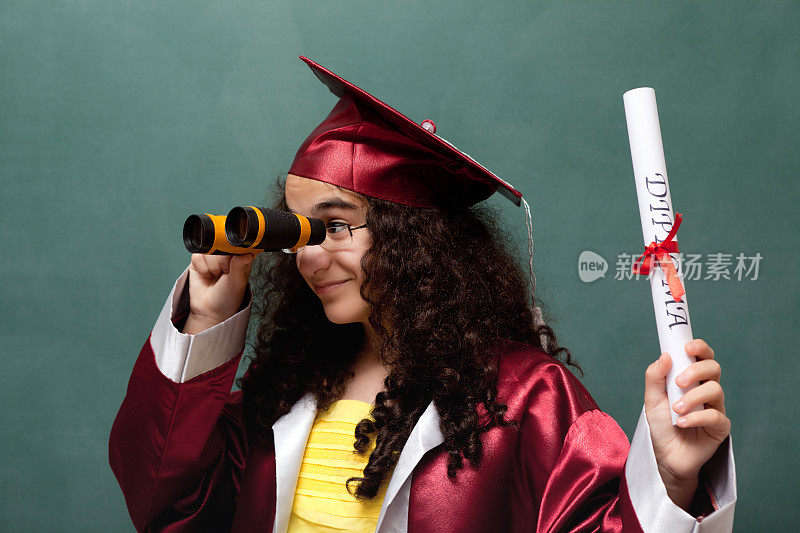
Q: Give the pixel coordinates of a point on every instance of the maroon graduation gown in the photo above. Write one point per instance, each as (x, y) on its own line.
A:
(183, 461)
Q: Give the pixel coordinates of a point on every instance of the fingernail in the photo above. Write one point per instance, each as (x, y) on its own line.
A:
(680, 380)
(682, 421)
(678, 406)
(691, 345)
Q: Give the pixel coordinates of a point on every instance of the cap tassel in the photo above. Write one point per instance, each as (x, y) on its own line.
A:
(538, 320)
(529, 225)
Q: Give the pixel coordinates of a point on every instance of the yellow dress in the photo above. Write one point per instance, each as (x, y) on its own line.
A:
(321, 501)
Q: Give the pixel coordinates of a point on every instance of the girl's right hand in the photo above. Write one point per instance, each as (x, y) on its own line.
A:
(217, 285)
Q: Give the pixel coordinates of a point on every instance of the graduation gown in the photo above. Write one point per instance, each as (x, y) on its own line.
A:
(184, 462)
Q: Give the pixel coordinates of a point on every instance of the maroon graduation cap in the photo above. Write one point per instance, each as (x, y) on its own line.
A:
(368, 147)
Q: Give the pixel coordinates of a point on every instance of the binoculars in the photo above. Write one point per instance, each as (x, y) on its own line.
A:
(250, 229)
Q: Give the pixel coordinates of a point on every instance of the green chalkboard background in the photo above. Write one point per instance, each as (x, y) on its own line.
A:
(117, 119)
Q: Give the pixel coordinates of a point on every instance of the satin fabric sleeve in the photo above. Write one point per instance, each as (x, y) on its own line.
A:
(715, 501)
(178, 449)
(575, 464)
(181, 356)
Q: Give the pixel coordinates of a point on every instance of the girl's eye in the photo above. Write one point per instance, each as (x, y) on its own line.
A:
(336, 228)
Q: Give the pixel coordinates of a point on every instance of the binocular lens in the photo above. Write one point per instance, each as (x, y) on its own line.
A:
(205, 234)
(239, 228)
(198, 234)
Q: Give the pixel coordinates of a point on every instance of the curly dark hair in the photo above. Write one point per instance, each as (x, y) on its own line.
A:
(446, 282)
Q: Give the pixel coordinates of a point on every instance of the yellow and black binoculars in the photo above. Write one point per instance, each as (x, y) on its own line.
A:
(250, 229)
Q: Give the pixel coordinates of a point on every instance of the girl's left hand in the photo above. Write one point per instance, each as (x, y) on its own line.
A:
(681, 450)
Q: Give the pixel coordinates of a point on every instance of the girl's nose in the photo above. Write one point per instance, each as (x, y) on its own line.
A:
(312, 259)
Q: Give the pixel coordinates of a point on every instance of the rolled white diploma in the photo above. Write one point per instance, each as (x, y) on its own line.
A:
(655, 211)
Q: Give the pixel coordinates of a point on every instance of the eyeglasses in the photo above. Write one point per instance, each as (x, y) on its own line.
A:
(338, 236)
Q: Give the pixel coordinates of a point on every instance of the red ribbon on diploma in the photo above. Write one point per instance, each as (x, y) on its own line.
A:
(662, 250)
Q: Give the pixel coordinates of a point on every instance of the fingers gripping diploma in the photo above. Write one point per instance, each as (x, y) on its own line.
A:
(681, 450)
(217, 285)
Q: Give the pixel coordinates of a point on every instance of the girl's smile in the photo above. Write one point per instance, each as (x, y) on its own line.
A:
(328, 287)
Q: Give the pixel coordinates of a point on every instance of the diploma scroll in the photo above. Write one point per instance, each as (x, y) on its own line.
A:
(657, 217)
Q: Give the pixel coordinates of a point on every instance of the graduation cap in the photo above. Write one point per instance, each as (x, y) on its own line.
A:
(366, 146)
